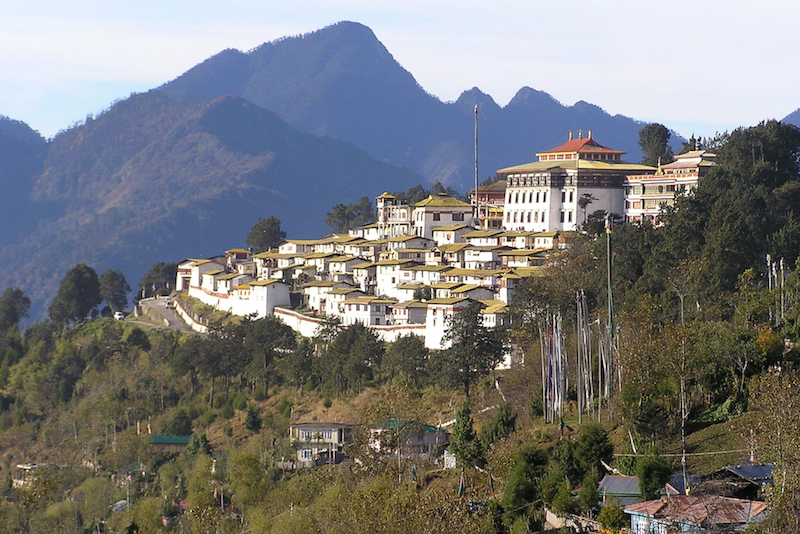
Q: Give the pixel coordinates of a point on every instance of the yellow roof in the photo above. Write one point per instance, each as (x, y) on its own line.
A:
(386, 195)
(442, 201)
(539, 166)
(450, 228)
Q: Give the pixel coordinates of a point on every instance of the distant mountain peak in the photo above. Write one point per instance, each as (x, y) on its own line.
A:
(469, 99)
(527, 96)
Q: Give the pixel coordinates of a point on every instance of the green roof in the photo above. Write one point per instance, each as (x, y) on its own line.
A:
(170, 440)
(403, 424)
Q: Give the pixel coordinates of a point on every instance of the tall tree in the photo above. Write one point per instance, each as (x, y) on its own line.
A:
(464, 443)
(14, 306)
(263, 340)
(475, 350)
(159, 280)
(654, 141)
(114, 289)
(78, 295)
(265, 234)
(346, 217)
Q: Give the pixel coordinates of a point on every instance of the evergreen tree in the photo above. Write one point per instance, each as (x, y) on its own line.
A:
(265, 234)
(654, 142)
(78, 295)
(463, 442)
(114, 289)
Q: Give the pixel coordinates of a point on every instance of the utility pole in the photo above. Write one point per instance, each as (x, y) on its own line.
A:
(477, 205)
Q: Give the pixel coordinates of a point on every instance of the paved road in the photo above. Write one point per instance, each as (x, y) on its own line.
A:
(175, 322)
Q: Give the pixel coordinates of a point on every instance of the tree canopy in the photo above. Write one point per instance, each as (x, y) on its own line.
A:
(475, 350)
(265, 234)
(654, 142)
(78, 295)
(114, 289)
(344, 217)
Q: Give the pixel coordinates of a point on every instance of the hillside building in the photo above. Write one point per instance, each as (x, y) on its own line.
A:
(646, 195)
(543, 196)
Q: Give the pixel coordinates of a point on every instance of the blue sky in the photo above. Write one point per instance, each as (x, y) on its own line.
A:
(698, 67)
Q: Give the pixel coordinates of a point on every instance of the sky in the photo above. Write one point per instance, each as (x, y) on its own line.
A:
(699, 67)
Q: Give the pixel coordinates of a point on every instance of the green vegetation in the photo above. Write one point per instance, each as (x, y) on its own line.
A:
(265, 235)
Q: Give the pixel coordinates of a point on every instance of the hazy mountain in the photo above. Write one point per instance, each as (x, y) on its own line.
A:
(342, 82)
(156, 179)
(793, 118)
(21, 152)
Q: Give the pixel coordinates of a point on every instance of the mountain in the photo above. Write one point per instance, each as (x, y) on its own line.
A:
(158, 179)
(21, 153)
(793, 118)
(342, 82)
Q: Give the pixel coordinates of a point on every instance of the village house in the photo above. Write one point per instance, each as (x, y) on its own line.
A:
(315, 293)
(334, 299)
(647, 194)
(439, 313)
(369, 311)
(320, 443)
(398, 436)
(450, 234)
(690, 513)
(490, 203)
(409, 312)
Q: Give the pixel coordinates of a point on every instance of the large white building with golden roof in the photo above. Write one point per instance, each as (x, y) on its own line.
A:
(544, 196)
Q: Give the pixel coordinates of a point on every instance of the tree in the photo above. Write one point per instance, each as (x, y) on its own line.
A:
(522, 488)
(463, 443)
(475, 349)
(592, 447)
(14, 306)
(252, 420)
(114, 289)
(654, 142)
(159, 279)
(653, 472)
(265, 234)
(78, 295)
(406, 357)
(346, 217)
(263, 339)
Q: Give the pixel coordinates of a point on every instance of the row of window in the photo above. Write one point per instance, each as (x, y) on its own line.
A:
(528, 197)
(535, 216)
(459, 216)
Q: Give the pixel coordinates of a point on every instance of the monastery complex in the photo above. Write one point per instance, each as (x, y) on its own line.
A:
(419, 264)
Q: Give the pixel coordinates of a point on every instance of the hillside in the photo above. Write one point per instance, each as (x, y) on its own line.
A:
(342, 82)
(21, 152)
(156, 179)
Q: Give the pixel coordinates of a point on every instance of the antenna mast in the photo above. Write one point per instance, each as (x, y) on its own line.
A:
(477, 205)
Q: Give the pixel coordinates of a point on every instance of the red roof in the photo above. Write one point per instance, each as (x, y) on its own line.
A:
(581, 145)
(700, 509)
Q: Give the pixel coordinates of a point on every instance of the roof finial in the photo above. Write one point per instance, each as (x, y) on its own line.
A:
(580, 134)
(570, 135)
(590, 134)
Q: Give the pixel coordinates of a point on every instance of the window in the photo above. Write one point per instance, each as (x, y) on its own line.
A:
(544, 196)
(305, 454)
(571, 198)
(458, 216)
(437, 216)
(563, 196)
(537, 196)
(536, 217)
(569, 216)
(562, 216)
